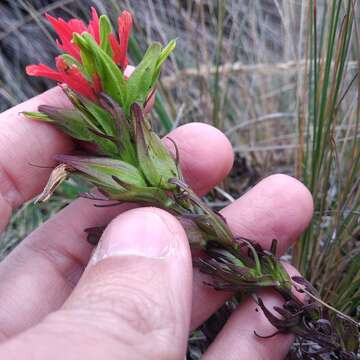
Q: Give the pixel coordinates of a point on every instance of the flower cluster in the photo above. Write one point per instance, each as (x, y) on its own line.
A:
(128, 161)
(95, 60)
(70, 68)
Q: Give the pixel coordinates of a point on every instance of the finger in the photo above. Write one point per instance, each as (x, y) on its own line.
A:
(24, 142)
(237, 339)
(279, 207)
(206, 155)
(45, 267)
(134, 297)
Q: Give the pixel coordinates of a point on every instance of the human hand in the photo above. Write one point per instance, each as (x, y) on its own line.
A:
(138, 296)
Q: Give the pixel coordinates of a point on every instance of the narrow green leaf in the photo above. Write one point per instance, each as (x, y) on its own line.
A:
(159, 107)
(165, 52)
(103, 118)
(105, 31)
(154, 159)
(140, 82)
(147, 194)
(104, 146)
(33, 115)
(86, 55)
(76, 123)
(102, 170)
(112, 78)
(122, 132)
(71, 121)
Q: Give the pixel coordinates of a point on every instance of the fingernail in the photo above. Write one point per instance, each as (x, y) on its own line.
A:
(136, 233)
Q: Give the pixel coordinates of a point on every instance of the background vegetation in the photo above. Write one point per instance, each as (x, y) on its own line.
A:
(279, 77)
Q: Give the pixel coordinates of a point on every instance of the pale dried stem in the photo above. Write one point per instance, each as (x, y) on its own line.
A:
(239, 68)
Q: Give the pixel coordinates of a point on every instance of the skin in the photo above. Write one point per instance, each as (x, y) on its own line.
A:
(136, 296)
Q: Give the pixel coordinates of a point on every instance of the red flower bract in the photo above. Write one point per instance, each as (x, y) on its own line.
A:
(71, 74)
(64, 74)
(93, 27)
(124, 24)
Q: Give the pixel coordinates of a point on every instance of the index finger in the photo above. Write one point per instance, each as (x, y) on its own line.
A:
(22, 142)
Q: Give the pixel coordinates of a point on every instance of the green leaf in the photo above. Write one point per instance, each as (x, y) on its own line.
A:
(95, 116)
(86, 55)
(102, 117)
(126, 147)
(123, 132)
(33, 115)
(101, 171)
(71, 121)
(100, 122)
(76, 123)
(140, 82)
(151, 195)
(163, 56)
(159, 107)
(112, 79)
(154, 159)
(105, 147)
(105, 31)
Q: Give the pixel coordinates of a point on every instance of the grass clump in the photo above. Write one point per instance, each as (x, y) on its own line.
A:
(329, 153)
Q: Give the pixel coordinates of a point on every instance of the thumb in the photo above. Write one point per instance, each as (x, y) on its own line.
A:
(133, 300)
(138, 287)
